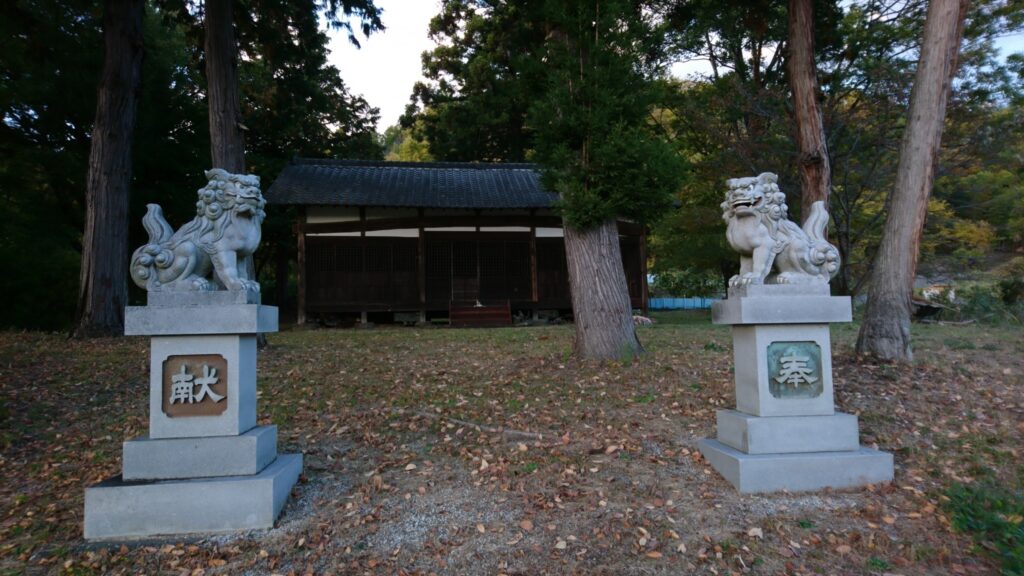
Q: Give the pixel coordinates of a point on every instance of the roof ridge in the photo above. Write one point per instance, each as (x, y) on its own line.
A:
(401, 164)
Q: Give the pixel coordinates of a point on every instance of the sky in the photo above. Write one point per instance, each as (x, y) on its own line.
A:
(388, 64)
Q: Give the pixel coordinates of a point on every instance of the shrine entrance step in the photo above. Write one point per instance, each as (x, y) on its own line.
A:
(476, 314)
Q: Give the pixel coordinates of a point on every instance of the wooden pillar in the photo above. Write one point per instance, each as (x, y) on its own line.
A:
(421, 263)
(534, 292)
(300, 267)
(281, 278)
(644, 296)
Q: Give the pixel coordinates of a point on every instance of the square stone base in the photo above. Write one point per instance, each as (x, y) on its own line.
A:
(785, 434)
(118, 509)
(751, 473)
(174, 458)
(758, 393)
(239, 404)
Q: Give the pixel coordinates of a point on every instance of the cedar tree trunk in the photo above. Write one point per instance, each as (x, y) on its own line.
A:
(226, 141)
(103, 286)
(600, 295)
(815, 172)
(885, 331)
(227, 145)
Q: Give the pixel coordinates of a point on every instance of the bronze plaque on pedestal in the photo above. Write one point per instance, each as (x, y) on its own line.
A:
(794, 370)
(195, 385)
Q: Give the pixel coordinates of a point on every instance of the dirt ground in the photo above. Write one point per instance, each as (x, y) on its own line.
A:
(489, 451)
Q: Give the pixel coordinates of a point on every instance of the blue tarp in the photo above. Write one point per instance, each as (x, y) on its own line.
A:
(680, 303)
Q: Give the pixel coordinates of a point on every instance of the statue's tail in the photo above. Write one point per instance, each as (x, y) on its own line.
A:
(155, 253)
(155, 224)
(822, 254)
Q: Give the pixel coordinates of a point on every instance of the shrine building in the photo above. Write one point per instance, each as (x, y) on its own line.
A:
(397, 241)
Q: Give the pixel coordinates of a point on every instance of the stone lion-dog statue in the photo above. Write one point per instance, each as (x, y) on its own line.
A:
(760, 230)
(212, 251)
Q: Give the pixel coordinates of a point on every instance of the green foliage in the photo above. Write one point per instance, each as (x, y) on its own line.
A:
(481, 81)
(49, 65)
(735, 121)
(994, 517)
(592, 125)
(876, 564)
(404, 145)
(292, 102)
(688, 282)
(1011, 281)
(988, 302)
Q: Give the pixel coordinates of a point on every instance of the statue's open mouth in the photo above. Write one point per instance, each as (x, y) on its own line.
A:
(746, 202)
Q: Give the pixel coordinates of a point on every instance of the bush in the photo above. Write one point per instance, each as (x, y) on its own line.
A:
(985, 302)
(994, 517)
(1011, 281)
(1012, 291)
(687, 283)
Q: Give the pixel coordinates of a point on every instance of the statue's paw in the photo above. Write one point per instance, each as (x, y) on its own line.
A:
(250, 285)
(735, 280)
(748, 279)
(201, 284)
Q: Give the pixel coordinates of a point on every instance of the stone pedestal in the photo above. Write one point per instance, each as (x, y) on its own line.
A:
(205, 466)
(785, 433)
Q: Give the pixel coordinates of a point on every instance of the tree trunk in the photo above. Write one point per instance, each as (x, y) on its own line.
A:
(227, 146)
(227, 142)
(815, 172)
(885, 331)
(103, 286)
(600, 295)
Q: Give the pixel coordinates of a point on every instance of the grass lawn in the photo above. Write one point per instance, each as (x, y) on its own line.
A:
(490, 451)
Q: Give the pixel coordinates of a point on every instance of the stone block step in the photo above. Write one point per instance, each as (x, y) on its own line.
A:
(119, 509)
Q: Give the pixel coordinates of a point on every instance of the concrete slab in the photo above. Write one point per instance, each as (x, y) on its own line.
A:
(202, 298)
(787, 434)
(782, 309)
(189, 320)
(174, 458)
(771, 290)
(117, 509)
(757, 393)
(751, 473)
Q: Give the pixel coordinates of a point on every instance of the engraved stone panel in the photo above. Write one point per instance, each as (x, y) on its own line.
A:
(794, 370)
(195, 385)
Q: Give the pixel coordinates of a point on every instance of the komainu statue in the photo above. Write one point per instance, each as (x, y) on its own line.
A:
(760, 230)
(211, 252)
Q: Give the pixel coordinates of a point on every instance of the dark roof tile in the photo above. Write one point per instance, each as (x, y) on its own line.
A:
(409, 184)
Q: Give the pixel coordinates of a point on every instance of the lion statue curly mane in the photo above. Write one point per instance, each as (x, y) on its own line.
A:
(760, 230)
(212, 251)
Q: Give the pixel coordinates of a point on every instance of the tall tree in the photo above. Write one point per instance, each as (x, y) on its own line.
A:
(227, 142)
(103, 291)
(481, 81)
(595, 139)
(885, 331)
(812, 150)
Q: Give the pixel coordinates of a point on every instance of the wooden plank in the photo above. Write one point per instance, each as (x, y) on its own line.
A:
(433, 222)
(300, 268)
(644, 296)
(462, 316)
(422, 262)
(533, 263)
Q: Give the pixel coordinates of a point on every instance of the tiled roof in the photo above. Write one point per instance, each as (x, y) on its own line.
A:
(409, 184)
